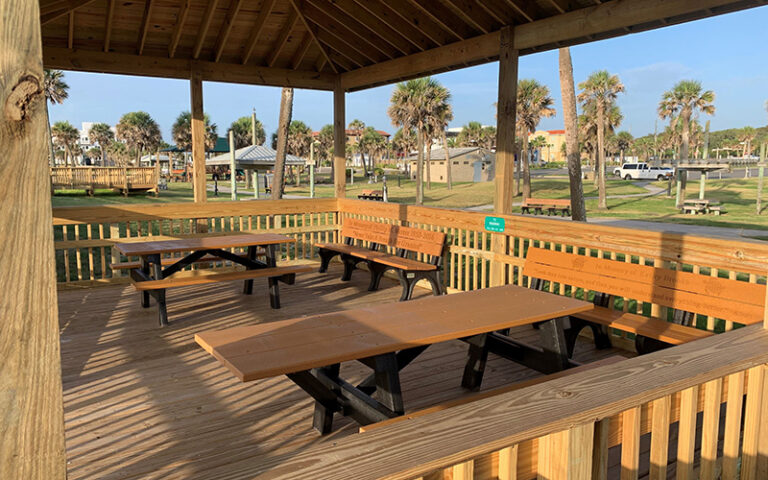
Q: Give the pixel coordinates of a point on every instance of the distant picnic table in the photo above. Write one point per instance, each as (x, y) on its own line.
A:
(702, 205)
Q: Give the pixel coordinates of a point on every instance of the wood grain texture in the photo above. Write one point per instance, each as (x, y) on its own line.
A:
(31, 422)
(339, 141)
(752, 418)
(140, 248)
(198, 136)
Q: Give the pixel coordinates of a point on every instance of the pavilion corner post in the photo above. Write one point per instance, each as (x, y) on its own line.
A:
(339, 141)
(198, 137)
(232, 166)
(505, 145)
(32, 419)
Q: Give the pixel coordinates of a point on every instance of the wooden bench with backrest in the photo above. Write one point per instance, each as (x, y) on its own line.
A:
(377, 195)
(407, 243)
(551, 205)
(684, 295)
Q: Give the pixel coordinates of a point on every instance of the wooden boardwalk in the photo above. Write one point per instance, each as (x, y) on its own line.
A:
(144, 402)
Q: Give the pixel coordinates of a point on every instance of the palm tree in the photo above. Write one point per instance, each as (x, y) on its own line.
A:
(243, 133)
(435, 124)
(746, 136)
(471, 135)
(370, 142)
(357, 126)
(298, 143)
(404, 141)
(140, 132)
(533, 103)
(56, 91)
(623, 143)
(445, 115)
(65, 136)
(281, 142)
(182, 132)
(411, 105)
(601, 88)
(102, 134)
(568, 94)
(680, 104)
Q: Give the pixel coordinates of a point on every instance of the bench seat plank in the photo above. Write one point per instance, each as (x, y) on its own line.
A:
(405, 263)
(276, 348)
(361, 252)
(659, 329)
(201, 277)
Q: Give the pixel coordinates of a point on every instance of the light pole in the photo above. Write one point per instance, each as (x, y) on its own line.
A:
(312, 168)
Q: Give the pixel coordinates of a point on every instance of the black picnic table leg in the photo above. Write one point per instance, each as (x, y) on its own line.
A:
(274, 289)
(162, 307)
(477, 357)
(554, 343)
(248, 284)
(322, 419)
(145, 293)
(388, 382)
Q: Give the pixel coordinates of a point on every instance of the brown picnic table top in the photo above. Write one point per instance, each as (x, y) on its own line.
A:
(153, 247)
(299, 344)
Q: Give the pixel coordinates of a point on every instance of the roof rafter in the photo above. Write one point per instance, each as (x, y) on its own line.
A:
(558, 6)
(514, 5)
(51, 11)
(144, 26)
(226, 28)
(258, 27)
(204, 26)
(473, 14)
(388, 17)
(350, 13)
(108, 23)
(343, 44)
(285, 34)
(502, 11)
(295, 4)
(306, 42)
(416, 18)
(178, 28)
(454, 24)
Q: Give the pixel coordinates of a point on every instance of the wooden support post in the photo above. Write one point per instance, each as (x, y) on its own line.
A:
(232, 166)
(760, 173)
(255, 183)
(702, 184)
(567, 455)
(339, 141)
(198, 137)
(505, 145)
(31, 422)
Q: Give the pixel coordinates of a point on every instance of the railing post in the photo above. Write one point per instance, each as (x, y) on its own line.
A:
(567, 455)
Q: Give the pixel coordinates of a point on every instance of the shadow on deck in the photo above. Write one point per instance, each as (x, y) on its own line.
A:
(146, 402)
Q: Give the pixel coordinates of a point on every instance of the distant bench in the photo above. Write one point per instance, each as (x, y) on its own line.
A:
(702, 206)
(687, 294)
(405, 240)
(377, 195)
(551, 205)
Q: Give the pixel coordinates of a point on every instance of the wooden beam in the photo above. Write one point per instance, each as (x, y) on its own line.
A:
(258, 27)
(505, 144)
(607, 20)
(302, 51)
(226, 28)
(163, 67)
(285, 34)
(204, 26)
(339, 141)
(55, 10)
(453, 24)
(71, 30)
(473, 14)
(178, 28)
(32, 421)
(108, 23)
(352, 14)
(314, 37)
(337, 47)
(394, 18)
(513, 4)
(198, 137)
(144, 26)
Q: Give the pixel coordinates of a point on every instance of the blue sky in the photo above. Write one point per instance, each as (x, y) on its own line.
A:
(726, 53)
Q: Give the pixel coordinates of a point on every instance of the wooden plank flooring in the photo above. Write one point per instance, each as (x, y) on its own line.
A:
(145, 402)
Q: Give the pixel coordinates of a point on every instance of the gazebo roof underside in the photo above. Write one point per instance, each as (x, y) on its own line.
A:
(312, 43)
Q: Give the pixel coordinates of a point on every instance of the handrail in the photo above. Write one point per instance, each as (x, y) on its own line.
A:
(421, 445)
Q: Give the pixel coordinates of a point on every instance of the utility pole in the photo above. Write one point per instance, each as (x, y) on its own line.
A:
(760, 172)
(232, 165)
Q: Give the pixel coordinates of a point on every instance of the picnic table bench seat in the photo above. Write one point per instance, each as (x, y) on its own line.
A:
(286, 274)
(377, 195)
(685, 294)
(551, 205)
(404, 240)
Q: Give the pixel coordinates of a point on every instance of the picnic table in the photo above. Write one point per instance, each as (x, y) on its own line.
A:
(386, 338)
(153, 274)
(701, 205)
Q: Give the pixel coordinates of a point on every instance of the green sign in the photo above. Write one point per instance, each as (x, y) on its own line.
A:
(494, 224)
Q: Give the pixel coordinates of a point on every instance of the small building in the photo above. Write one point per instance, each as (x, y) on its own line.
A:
(468, 164)
(254, 157)
(553, 150)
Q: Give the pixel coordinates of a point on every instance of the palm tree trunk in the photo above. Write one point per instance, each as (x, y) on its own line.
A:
(429, 163)
(526, 169)
(516, 170)
(683, 175)
(568, 92)
(448, 179)
(601, 200)
(419, 167)
(286, 111)
(50, 135)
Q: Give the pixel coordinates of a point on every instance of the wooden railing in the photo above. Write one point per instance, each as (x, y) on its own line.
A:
(83, 236)
(89, 178)
(698, 410)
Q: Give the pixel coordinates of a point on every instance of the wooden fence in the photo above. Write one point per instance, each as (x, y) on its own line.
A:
(91, 178)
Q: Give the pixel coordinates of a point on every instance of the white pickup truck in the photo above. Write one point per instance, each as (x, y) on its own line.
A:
(642, 171)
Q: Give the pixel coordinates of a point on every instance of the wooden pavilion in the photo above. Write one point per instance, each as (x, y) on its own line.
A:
(343, 46)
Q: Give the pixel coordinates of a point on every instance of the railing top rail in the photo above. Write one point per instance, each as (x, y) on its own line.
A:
(423, 444)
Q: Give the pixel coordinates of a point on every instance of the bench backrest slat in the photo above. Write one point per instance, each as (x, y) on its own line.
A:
(375, 232)
(419, 240)
(737, 301)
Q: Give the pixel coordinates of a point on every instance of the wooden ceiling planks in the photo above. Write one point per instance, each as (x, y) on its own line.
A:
(356, 38)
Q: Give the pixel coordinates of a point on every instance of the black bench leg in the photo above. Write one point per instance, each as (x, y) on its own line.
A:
(349, 267)
(645, 345)
(274, 292)
(408, 284)
(325, 258)
(322, 419)
(388, 382)
(434, 280)
(377, 271)
(599, 334)
(476, 360)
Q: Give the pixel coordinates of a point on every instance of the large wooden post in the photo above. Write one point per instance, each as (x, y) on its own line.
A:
(505, 144)
(31, 412)
(198, 137)
(339, 141)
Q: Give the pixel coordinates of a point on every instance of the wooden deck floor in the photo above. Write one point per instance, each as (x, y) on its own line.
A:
(145, 402)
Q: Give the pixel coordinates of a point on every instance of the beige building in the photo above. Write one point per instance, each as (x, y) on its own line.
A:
(553, 151)
(468, 164)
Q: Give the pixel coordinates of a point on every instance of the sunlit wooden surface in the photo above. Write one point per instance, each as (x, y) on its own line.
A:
(145, 402)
